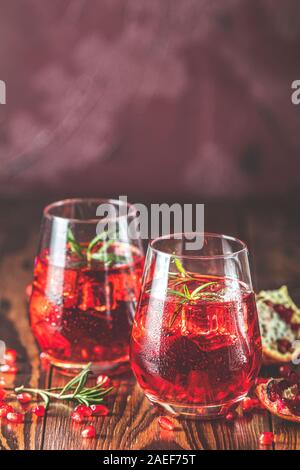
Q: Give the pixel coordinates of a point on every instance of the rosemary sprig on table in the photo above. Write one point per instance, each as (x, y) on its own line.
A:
(74, 390)
(184, 294)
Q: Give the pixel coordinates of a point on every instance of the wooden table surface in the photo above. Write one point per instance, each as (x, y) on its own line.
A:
(272, 232)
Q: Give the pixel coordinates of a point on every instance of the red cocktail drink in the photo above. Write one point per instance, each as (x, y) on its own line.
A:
(84, 295)
(198, 352)
(195, 346)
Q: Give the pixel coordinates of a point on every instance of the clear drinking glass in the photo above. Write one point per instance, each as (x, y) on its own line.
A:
(195, 346)
(85, 285)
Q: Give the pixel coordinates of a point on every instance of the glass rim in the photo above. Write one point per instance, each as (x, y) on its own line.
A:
(56, 204)
(222, 236)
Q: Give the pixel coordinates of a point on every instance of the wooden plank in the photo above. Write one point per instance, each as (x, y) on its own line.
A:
(275, 233)
(17, 248)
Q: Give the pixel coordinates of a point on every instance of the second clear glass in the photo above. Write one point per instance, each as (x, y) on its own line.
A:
(85, 286)
(196, 346)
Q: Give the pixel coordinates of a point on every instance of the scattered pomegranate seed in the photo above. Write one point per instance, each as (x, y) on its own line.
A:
(249, 404)
(88, 432)
(285, 371)
(98, 350)
(2, 394)
(103, 380)
(10, 356)
(14, 417)
(5, 409)
(39, 411)
(230, 416)
(83, 410)
(266, 438)
(77, 417)
(99, 410)
(24, 397)
(165, 423)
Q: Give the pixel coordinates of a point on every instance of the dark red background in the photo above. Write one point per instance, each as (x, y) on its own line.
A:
(152, 98)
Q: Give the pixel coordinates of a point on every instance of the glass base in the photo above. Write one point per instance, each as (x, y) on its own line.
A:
(206, 412)
(116, 367)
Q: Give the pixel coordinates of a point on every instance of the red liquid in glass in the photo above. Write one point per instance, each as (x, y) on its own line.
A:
(201, 353)
(82, 313)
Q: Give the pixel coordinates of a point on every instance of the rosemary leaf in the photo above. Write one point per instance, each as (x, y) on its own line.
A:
(200, 288)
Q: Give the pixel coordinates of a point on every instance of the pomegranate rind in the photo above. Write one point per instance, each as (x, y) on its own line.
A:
(272, 407)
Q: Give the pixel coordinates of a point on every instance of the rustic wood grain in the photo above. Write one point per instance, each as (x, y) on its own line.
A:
(18, 243)
(132, 423)
(274, 232)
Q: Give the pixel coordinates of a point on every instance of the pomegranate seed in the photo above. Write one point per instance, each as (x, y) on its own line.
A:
(230, 416)
(5, 409)
(88, 432)
(266, 438)
(250, 404)
(39, 411)
(83, 410)
(165, 423)
(10, 356)
(24, 398)
(285, 371)
(77, 417)
(15, 417)
(104, 381)
(2, 394)
(284, 345)
(99, 410)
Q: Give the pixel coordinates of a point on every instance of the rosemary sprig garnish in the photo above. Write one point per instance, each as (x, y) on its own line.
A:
(74, 390)
(101, 255)
(74, 246)
(184, 294)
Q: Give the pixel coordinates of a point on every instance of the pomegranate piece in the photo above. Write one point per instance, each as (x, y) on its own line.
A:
(15, 417)
(88, 432)
(5, 409)
(77, 417)
(24, 397)
(39, 411)
(83, 410)
(104, 381)
(2, 394)
(99, 410)
(165, 423)
(266, 438)
(10, 356)
(281, 399)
